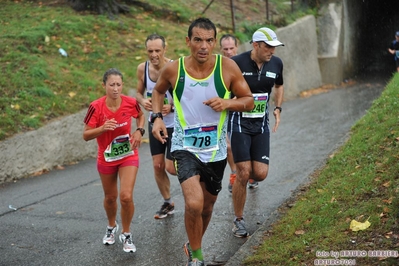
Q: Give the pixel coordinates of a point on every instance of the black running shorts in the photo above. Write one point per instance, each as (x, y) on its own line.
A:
(156, 147)
(247, 147)
(188, 165)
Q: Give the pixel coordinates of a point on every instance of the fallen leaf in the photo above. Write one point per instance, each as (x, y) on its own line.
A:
(389, 201)
(387, 184)
(16, 107)
(40, 172)
(357, 226)
(72, 94)
(299, 232)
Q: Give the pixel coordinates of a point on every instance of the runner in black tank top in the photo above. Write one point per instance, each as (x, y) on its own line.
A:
(249, 131)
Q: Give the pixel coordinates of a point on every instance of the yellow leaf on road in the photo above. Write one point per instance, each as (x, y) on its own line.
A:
(357, 226)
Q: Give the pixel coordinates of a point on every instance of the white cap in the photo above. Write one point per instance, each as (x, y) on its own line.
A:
(266, 35)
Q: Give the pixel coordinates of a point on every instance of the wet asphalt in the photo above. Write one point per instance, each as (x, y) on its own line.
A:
(58, 218)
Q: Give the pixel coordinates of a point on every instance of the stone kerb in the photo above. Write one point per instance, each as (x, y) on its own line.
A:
(58, 143)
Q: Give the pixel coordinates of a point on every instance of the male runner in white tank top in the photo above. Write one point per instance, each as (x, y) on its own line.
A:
(147, 75)
(202, 83)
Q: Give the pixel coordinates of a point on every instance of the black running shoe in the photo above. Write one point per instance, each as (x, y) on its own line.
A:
(166, 209)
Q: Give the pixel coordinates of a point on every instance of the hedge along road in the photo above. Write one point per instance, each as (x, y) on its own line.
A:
(58, 218)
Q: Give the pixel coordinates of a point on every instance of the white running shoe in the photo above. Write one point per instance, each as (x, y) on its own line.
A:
(109, 237)
(127, 241)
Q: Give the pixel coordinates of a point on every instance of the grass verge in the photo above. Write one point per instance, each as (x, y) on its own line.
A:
(359, 182)
(39, 84)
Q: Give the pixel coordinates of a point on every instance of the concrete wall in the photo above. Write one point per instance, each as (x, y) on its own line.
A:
(57, 143)
(351, 17)
(301, 67)
(330, 43)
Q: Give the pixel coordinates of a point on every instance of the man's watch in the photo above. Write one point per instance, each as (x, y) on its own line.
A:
(142, 130)
(279, 108)
(155, 116)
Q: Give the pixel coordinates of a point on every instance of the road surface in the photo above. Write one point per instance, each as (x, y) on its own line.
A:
(59, 217)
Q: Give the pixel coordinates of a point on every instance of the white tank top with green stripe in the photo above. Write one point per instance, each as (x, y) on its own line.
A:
(198, 128)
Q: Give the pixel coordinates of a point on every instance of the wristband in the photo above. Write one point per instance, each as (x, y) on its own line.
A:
(155, 116)
(142, 130)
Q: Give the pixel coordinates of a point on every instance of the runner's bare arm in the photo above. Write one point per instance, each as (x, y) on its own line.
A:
(278, 92)
(165, 80)
(136, 136)
(90, 133)
(141, 98)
